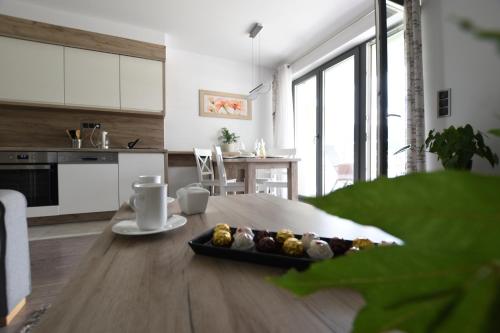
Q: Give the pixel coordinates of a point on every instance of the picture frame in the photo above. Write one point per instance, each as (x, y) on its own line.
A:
(225, 105)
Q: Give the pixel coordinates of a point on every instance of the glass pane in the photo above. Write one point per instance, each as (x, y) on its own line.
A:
(338, 134)
(396, 108)
(396, 104)
(305, 135)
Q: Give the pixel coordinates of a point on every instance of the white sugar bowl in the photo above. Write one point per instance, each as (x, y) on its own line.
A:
(193, 199)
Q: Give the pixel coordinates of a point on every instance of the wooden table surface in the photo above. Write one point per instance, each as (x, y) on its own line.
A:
(157, 284)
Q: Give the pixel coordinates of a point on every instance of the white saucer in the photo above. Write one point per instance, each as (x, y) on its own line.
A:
(130, 228)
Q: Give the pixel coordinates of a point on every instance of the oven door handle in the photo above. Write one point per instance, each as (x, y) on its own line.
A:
(25, 167)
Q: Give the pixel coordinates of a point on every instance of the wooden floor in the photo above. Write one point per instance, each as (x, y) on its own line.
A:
(52, 263)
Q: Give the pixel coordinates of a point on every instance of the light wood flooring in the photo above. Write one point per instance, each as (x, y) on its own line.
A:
(52, 263)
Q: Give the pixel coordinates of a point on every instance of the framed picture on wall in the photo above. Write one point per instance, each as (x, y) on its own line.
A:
(225, 105)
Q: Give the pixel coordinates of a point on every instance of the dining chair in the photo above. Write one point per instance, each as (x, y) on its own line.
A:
(278, 177)
(226, 185)
(344, 174)
(206, 175)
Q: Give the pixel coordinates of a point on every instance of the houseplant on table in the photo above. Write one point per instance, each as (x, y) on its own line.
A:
(229, 140)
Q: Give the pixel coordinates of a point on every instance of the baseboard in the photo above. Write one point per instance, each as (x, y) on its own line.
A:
(4, 321)
(70, 218)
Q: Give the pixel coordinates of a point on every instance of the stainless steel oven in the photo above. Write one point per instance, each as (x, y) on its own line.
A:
(32, 173)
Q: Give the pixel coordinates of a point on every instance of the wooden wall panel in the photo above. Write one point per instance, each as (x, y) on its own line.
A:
(48, 33)
(31, 127)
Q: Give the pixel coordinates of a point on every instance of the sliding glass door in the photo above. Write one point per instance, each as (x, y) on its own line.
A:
(327, 113)
(338, 124)
(396, 117)
(306, 133)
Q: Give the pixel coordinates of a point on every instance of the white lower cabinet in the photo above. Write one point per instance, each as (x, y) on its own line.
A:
(132, 166)
(87, 188)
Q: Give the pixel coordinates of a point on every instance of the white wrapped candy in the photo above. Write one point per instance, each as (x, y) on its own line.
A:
(307, 238)
(319, 250)
(246, 230)
(242, 241)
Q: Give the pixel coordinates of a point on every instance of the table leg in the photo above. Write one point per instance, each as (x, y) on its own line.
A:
(250, 175)
(293, 181)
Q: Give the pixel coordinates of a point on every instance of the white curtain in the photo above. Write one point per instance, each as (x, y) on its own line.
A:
(283, 108)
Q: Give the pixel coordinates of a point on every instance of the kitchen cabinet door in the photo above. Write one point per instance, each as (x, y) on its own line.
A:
(132, 166)
(87, 188)
(31, 72)
(92, 79)
(141, 84)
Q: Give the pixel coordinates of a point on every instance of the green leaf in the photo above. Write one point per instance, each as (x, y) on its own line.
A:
(495, 132)
(445, 278)
(484, 34)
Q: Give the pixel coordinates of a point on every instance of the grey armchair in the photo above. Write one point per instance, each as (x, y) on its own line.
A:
(15, 271)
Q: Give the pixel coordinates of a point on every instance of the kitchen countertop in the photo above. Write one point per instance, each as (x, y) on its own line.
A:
(111, 150)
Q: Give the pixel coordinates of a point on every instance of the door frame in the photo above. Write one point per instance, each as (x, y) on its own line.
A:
(359, 53)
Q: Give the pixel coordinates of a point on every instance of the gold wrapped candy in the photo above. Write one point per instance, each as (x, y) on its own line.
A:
(222, 238)
(362, 243)
(222, 226)
(293, 247)
(283, 235)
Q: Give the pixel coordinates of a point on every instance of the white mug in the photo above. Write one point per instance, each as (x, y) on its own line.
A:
(146, 180)
(150, 205)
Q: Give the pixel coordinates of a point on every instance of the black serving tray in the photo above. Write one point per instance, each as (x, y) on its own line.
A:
(203, 245)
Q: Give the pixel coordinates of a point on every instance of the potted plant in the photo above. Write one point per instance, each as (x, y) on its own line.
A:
(229, 140)
(455, 147)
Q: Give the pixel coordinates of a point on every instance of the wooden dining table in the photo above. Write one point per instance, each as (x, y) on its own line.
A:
(156, 283)
(250, 165)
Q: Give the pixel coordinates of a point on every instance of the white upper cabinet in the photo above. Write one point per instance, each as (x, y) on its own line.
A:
(31, 72)
(141, 84)
(92, 79)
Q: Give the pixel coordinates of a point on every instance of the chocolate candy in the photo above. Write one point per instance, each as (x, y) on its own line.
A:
(266, 244)
(339, 246)
(243, 241)
(261, 234)
(362, 243)
(222, 226)
(244, 229)
(221, 238)
(283, 235)
(307, 238)
(293, 247)
(319, 250)
(352, 250)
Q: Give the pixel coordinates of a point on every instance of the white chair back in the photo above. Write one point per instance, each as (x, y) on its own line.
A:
(204, 164)
(220, 166)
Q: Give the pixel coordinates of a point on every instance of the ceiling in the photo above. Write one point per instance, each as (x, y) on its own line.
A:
(220, 27)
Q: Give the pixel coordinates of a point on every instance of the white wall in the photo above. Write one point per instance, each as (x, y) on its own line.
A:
(186, 74)
(358, 31)
(470, 67)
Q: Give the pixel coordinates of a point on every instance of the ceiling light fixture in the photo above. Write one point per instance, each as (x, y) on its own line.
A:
(261, 87)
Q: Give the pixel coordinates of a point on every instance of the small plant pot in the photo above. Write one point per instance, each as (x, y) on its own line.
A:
(228, 147)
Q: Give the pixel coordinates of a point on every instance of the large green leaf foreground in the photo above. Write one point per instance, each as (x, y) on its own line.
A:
(445, 278)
